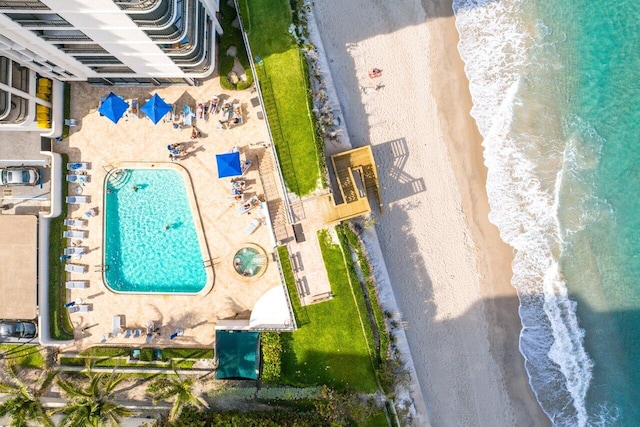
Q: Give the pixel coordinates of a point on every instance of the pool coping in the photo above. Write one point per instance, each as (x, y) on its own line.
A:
(197, 221)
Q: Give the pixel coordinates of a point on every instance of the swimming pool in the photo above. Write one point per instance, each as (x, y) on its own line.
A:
(151, 242)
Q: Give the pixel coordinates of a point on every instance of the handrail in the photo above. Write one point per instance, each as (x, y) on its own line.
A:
(245, 38)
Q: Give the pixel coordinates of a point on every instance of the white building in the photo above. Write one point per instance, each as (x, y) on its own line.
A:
(111, 42)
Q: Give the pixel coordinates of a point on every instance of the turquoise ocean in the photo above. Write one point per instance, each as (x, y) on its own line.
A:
(556, 93)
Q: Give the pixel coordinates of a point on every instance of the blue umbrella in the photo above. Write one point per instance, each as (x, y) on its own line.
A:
(156, 108)
(228, 164)
(113, 107)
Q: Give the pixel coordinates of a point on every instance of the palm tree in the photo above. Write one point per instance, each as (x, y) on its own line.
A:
(25, 401)
(177, 388)
(91, 403)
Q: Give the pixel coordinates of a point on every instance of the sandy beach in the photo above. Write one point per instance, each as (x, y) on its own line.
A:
(449, 269)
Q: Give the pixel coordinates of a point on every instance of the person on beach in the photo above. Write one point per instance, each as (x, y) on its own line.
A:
(376, 72)
(195, 133)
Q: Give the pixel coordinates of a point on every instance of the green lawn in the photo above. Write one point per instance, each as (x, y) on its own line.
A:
(285, 90)
(26, 356)
(330, 348)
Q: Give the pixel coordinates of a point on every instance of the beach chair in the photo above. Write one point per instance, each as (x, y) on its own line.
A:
(253, 202)
(76, 284)
(128, 333)
(168, 118)
(77, 166)
(252, 226)
(226, 110)
(137, 333)
(79, 179)
(118, 324)
(75, 222)
(79, 308)
(188, 115)
(214, 104)
(200, 110)
(76, 268)
(70, 122)
(76, 200)
(75, 250)
(75, 234)
(134, 109)
(246, 165)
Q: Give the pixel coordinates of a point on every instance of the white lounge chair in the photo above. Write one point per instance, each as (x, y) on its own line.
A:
(75, 222)
(127, 333)
(200, 110)
(246, 165)
(76, 200)
(188, 115)
(75, 234)
(253, 202)
(134, 109)
(118, 324)
(76, 268)
(78, 178)
(214, 104)
(76, 250)
(77, 166)
(77, 284)
(252, 226)
(226, 110)
(79, 308)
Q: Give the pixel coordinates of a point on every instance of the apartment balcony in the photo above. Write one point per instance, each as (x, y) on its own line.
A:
(23, 5)
(37, 21)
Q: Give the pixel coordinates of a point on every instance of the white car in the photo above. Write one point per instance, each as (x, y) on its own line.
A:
(19, 175)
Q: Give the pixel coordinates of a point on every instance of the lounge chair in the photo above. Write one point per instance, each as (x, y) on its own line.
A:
(76, 250)
(137, 333)
(70, 122)
(134, 110)
(76, 268)
(214, 104)
(77, 166)
(253, 202)
(188, 115)
(246, 165)
(77, 284)
(127, 333)
(79, 308)
(168, 118)
(226, 111)
(78, 178)
(200, 110)
(75, 222)
(252, 226)
(118, 324)
(76, 200)
(75, 234)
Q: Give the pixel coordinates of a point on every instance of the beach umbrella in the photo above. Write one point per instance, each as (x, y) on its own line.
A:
(156, 108)
(113, 107)
(228, 165)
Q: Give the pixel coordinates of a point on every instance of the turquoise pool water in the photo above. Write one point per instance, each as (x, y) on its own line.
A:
(151, 244)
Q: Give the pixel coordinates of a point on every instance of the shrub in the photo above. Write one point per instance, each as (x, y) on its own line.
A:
(271, 363)
(146, 354)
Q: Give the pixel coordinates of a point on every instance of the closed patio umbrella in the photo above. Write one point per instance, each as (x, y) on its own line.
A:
(113, 107)
(156, 108)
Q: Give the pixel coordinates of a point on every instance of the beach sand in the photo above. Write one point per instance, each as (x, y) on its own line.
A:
(449, 269)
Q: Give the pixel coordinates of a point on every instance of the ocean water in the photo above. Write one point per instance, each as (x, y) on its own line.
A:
(556, 92)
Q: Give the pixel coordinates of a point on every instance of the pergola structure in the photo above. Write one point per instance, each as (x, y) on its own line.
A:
(357, 177)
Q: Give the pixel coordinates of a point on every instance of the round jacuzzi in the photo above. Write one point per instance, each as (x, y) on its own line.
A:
(250, 261)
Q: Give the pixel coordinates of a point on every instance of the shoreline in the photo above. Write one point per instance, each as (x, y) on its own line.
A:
(452, 278)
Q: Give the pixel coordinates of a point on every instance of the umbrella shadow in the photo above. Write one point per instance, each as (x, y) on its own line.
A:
(185, 99)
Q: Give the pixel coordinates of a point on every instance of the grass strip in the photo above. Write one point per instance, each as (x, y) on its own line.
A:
(25, 355)
(285, 91)
(60, 328)
(330, 348)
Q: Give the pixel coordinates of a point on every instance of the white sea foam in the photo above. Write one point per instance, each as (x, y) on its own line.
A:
(525, 174)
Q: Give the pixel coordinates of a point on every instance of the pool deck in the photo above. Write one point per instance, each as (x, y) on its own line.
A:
(105, 145)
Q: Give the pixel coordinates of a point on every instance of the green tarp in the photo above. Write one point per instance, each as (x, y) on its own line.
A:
(238, 354)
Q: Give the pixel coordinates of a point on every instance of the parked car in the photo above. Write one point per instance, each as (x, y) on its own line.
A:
(19, 175)
(11, 329)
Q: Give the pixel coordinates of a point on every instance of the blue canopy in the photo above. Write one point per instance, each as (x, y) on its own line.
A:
(113, 107)
(228, 164)
(156, 108)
